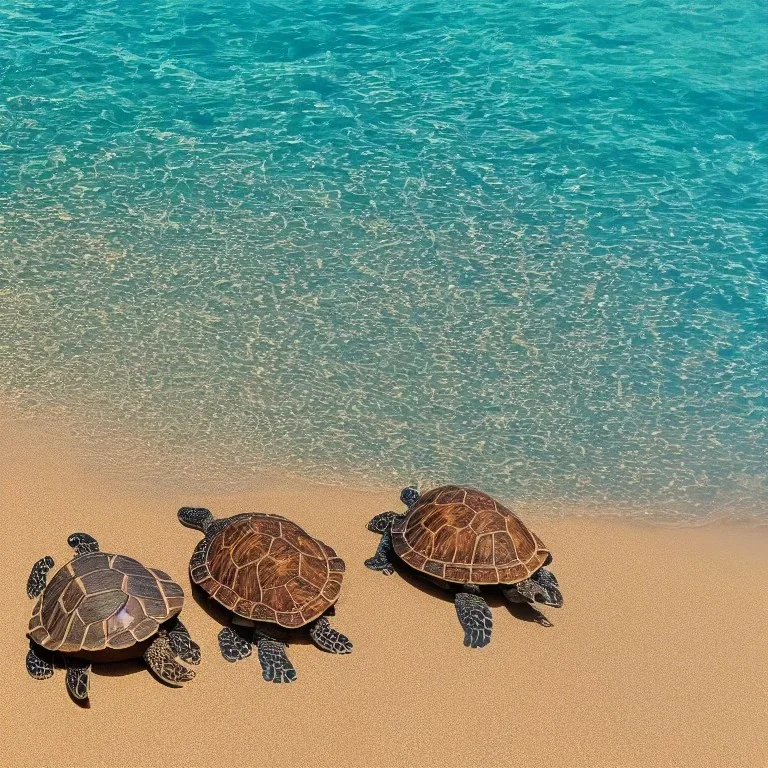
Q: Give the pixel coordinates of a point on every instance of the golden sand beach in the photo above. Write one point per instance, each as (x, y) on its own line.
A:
(659, 656)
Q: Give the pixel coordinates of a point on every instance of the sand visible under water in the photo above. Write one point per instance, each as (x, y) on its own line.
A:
(658, 658)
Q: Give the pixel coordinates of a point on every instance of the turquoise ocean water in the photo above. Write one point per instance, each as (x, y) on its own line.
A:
(521, 244)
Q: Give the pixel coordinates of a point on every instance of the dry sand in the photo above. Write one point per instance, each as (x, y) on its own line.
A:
(658, 658)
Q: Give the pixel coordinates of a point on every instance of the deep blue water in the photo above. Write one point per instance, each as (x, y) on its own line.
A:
(518, 244)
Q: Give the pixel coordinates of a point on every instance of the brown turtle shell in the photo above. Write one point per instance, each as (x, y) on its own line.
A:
(266, 568)
(464, 536)
(99, 601)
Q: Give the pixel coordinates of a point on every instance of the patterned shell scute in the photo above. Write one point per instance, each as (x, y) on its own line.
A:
(463, 535)
(266, 568)
(99, 601)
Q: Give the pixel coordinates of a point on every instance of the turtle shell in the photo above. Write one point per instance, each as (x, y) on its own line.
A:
(99, 601)
(266, 568)
(464, 536)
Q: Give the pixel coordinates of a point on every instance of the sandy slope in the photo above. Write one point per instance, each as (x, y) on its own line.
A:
(659, 657)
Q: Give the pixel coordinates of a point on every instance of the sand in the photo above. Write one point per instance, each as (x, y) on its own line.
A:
(658, 658)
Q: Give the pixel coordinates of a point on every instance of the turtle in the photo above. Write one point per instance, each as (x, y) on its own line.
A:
(266, 570)
(105, 607)
(461, 538)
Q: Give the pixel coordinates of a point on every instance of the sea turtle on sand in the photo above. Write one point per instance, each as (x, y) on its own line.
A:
(461, 539)
(103, 607)
(265, 568)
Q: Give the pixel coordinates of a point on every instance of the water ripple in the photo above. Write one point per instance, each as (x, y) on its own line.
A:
(520, 246)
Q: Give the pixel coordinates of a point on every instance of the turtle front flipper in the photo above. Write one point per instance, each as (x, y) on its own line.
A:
(39, 662)
(275, 664)
(161, 659)
(38, 576)
(235, 643)
(475, 617)
(83, 543)
(382, 560)
(78, 678)
(183, 645)
(326, 638)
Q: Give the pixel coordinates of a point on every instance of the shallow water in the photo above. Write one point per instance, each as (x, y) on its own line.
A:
(521, 245)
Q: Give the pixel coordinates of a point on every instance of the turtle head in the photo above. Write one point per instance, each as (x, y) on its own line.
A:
(543, 588)
(82, 543)
(409, 496)
(382, 522)
(198, 518)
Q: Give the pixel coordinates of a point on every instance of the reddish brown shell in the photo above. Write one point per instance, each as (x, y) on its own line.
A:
(266, 568)
(100, 600)
(464, 536)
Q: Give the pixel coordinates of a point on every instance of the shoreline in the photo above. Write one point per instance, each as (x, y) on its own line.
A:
(655, 658)
(158, 471)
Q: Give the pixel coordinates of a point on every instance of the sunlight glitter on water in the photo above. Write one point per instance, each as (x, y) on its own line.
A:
(519, 247)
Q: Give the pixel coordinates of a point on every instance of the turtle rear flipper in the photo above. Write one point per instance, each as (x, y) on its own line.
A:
(78, 679)
(513, 595)
(475, 617)
(325, 637)
(39, 662)
(275, 665)
(235, 643)
(183, 645)
(161, 659)
(382, 560)
(38, 576)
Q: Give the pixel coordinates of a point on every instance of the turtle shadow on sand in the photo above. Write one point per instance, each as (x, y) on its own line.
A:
(82, 703)
(102, 669)
(124, 668)
(492, 595)
(223, 617)
(121, 668)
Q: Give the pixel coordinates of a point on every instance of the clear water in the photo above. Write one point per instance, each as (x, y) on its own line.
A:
(518, 244)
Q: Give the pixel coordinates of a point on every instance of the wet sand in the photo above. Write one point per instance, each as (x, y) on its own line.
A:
(658, 658)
